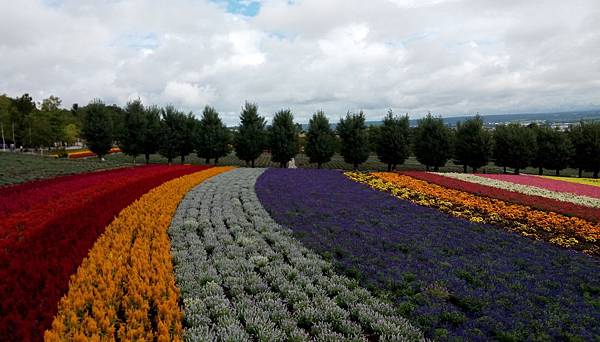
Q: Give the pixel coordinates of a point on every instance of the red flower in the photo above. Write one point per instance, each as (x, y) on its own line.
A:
(46, 230)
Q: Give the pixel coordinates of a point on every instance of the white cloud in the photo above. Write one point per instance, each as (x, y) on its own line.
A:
(188, 94)
(450, 57)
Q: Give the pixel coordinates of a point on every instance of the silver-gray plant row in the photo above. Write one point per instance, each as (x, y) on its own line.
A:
(243, 277)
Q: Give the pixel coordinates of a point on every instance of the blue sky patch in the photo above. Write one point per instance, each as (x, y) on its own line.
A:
(247, 8)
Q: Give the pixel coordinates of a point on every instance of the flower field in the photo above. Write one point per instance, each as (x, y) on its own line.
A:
(565, 231)
(533, 200)
(125, 287)
(193, 253)
(585, 181)
(454, 278)
(46, 230)
(549, 183)
(88, 153)
(243, 277)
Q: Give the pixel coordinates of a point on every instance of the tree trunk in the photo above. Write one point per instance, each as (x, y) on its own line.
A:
(596, 174)
(557, 172)
(252, 162)
(427, 168)
(474, 170)
(505, 169)
(540, 170)
(389, 167)
(206, 161)
(394, 167)
(319, 164)
(216, 160)
(517, 171)
(436, 168)
(169, 160)
(182, 159)
(580, 172)
(355, 167)
(147, 158)
(464, 168)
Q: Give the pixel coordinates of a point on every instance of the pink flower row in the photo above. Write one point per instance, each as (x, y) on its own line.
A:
(550, 184)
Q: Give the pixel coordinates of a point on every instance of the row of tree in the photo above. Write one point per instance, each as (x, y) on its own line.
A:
(141, 130)
(514, 146)
(434, 144)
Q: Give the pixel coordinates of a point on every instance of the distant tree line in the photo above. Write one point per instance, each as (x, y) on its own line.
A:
(144, 130)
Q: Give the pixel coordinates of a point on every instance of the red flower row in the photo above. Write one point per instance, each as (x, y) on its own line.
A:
(41, 246)
(24, 196)
(537, 202)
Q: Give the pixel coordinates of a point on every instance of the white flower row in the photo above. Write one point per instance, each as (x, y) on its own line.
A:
(526, 189)
(243, 277)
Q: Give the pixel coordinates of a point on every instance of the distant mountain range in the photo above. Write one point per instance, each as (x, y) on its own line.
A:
(495, 119)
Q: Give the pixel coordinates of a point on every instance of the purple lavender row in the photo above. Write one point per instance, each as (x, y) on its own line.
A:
(454, 278)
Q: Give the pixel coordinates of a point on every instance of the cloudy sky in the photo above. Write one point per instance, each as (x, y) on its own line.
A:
(450, 57)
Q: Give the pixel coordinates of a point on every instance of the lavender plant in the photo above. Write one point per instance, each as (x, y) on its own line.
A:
(243, 277)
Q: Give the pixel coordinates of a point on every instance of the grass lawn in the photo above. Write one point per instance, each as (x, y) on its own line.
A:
(18, 168)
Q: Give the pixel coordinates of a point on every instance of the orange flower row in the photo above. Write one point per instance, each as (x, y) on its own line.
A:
(125, 288)
(88, 153)
(568, 232)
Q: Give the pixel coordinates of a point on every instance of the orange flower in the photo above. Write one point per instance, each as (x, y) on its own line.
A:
(568, 232)
(125, 288)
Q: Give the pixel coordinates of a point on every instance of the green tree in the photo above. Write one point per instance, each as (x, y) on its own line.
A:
(432, 142)
(151, 132)
(57, 119)
(500, 146)
(585, 138)
(321, 140)
(283, 138)
(514, 146)
(132, 134)
(97, 128)
(212, 138)
(19, 120)
(6, 108)
(251, 136)
(41, 130)
(186, 144)
(553, 149)
(174, 131)
(472, 144)
(391, 140)
(117, 118)
(71, 133)
(354, 139)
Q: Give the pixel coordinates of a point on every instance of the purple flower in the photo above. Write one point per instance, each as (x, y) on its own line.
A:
(452, 277)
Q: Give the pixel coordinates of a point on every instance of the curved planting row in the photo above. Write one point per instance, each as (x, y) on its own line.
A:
(245, 278)
(29, 195)
(458, 280)
(530, 190)
(584, 181)
(125, 287)
(567, 232)
(42, 245)
(537, 202)
(547, 183)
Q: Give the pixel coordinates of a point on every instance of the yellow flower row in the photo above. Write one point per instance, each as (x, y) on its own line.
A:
(568, 232)
(125, 288)
(586, 181)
